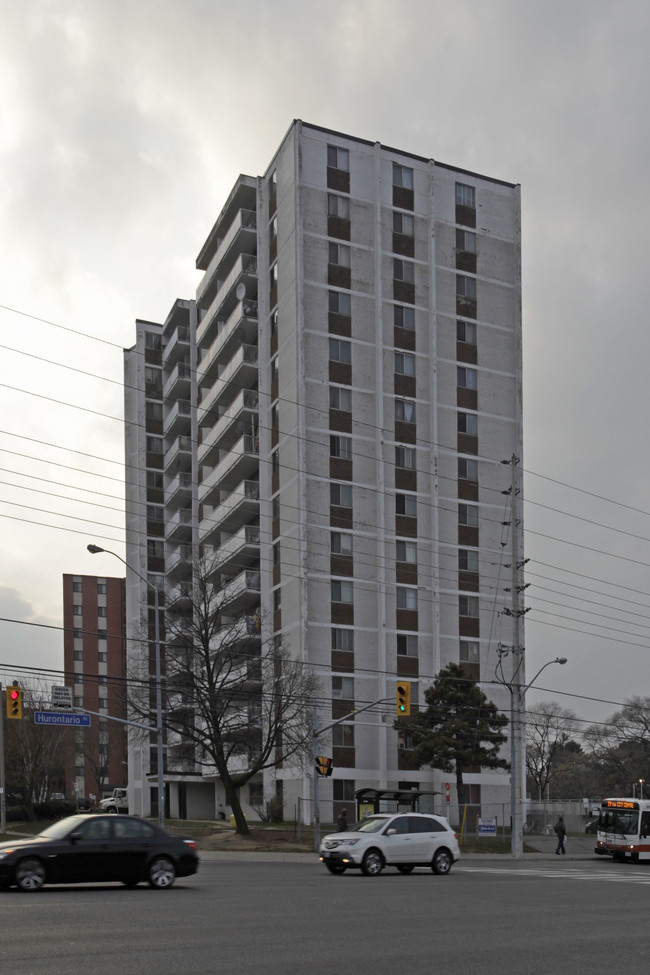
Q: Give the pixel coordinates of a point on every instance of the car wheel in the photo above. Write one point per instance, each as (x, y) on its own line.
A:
(336, 867)
(442, 861)
(372, 863)
(112, 810)
(30, 874)
(162, 873)
(404, 868)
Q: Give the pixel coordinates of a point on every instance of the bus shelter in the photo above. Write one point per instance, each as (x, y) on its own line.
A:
(371, 801)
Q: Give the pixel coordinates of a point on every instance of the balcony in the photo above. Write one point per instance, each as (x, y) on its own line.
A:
(239, 464)
(238, 551)
(178, 456)
(241, 372)
(244, 272)
(178, 347)
(178, 565)
(179, 491)
(240, 416)
(178, 419)
(178, 528)
(241, 236)
(179, 382)
(179, 600)
(239, 507)
(239, 329)
(241, 592)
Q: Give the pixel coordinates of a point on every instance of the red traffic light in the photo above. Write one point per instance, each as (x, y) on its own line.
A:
(14, 694)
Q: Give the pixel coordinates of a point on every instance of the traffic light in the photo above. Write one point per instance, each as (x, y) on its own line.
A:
(403, 700)
(14, 701)
(323, 765)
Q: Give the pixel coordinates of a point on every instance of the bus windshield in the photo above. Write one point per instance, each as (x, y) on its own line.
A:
(624, 821)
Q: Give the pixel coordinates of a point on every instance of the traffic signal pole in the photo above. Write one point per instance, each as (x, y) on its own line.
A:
(3, 785)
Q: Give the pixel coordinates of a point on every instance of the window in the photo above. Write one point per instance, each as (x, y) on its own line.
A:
(101, 611)
(255, 793)
(276, 553)
(277, 599)
(154, 445)
(407, 645)
(466, 287)
(338, 206)
(466, 332)
(342, 591)
(468, 606)
(275, 369)
(468, 515)
(343, 790)
(343, 687)
(154, 481)
(341, 495)
(405, 457)
(155, 548)
(77, 634)
(343, 735)
(273, 274)
(154, 513)
(466, 378)
(338, 158)
(341, 543)
(404, 270)
(341, 447)
(153, 411)
(402, 176)
(338, 254)
(406, 504)
(404, 317)
(77, 611)
(341, 398)
(405, 410)
(406, 551)
(465, 195)
(467, 469)
(469, 652)
(468, 559)
(340, 303)
(76, 587)
(275, 462)
(406, 598)
(403, 224)
(102, 679)
(404, 364)
(152, 340)
(340, 350)
(466, 241)
(78, 655)
(342, 639)
(468, 423)
(102, 657)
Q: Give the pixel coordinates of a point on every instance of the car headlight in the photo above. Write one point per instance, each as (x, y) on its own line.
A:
(5, 853)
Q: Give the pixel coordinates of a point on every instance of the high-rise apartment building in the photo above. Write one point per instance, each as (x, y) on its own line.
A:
(333, 413)
(94, 660)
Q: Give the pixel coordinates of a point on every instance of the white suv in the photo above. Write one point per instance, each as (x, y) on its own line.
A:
(402, 840)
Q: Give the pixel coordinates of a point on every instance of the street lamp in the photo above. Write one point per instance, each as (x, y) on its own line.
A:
(517, 712)
(94, 549)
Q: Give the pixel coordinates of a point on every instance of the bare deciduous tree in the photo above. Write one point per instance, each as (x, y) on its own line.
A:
(549, 730)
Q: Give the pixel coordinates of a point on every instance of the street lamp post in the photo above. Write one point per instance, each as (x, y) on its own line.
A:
(94, 549)
(517, 713)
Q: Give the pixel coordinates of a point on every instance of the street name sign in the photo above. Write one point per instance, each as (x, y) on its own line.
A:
(60, 718)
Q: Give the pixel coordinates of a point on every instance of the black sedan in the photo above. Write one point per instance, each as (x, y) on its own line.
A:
(91, 848)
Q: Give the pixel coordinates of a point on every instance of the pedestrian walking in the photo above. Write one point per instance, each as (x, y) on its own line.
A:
(560, 830)
(342, 822)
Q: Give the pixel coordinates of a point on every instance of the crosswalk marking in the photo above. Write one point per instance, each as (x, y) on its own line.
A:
(571, 873)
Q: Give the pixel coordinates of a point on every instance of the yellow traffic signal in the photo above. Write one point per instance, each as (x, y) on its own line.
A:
(403, 701)
(14, 701)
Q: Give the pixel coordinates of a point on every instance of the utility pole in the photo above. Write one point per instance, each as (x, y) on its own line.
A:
(3, 779)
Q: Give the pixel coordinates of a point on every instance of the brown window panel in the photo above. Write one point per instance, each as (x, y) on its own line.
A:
(465, 306)
(338, 179)
(155, 565)
(402, 198)
(341, 373)
(342, 613)
(468, 490)
(468, 581)
(473, 671)
(273, 199)
(406, 573)
(277, 575)
(154, 461)
(404, 385)
(341, 707)
(341, 565)
(405, 480)
(275, 482)
(274, 389)
(275, 528)
(156, 529)
(407, 619)
(467, 398)
(340, 421)
(466, 353)
(403, 245)
(340, 469)
(154, 496)
(273, 250)
(405, 525)
(339, 277)
(466, 261)
(467, 444)
(273, 296)
(468, 535)
(339, 324)
(153, 426)
(465, 215)
(405, 760)
(407, 666)
(405, 432)
(153, 357)
(343, 660)
(340, 517)
(338, 227)
(273, 345)
(404, 292)
(404, 338)
(275, 436)
(277, 620)
(468, 626)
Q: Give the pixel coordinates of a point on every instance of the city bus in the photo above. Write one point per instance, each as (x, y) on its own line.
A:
(624, 829)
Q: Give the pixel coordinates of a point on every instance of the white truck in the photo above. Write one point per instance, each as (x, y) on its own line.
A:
(117, 802)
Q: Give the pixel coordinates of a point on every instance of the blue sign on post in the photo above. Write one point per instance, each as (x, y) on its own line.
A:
(56, 718)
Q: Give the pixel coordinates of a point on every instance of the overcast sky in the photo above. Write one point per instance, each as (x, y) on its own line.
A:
(124, 126)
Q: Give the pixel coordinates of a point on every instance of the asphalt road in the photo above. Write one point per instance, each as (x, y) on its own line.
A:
(264, 916)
